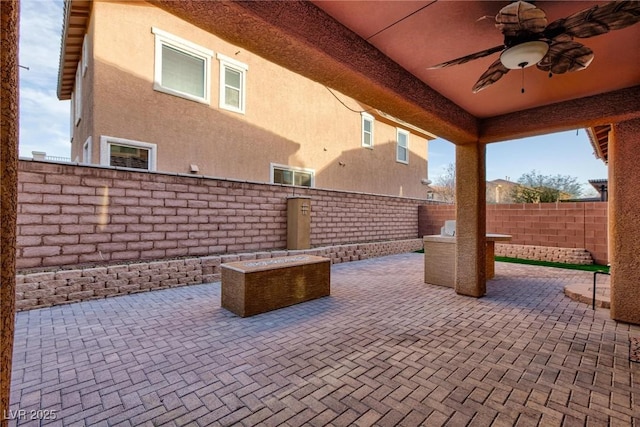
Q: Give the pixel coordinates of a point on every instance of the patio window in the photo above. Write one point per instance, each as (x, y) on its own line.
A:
(182, 68)
(290, 175)
(127, 153)
(367, 130)
(402, 149)
(233, 76)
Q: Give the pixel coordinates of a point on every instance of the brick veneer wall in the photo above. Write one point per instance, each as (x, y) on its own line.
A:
(568, 225)
(43, 289)
(73, 215)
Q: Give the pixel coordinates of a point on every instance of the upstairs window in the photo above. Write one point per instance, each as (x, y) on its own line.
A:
(77, 95)
(182, 68)
(402, 150)
(367, 130)
(233, 77)
(85, 54)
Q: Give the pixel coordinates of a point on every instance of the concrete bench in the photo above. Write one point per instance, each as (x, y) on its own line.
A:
(257, 286)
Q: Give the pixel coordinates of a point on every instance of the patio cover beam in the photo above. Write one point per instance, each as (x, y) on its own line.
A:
(606, 108)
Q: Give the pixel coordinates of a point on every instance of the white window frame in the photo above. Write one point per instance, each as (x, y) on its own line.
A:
(85, 55)
(294, 169)
(107, 141)
(78, 95)
(399, 146)
(239, 67)
(72, 121)
(163, 38)
(370, 118)
(87, 151)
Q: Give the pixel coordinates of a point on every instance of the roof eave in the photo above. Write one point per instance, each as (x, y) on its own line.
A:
(63, 44)
(76, 17)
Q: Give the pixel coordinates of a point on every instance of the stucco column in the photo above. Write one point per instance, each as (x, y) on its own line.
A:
(9, 15)
(624, 221)
(470, 220)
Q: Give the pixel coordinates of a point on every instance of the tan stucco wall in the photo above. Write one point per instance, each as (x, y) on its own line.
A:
(624, 227)
(470, 217)
(289, 119)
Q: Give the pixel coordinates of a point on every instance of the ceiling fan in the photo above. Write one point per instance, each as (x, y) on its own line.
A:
(528, 40)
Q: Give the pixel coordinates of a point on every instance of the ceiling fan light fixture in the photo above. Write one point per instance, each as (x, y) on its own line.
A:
(524, 55)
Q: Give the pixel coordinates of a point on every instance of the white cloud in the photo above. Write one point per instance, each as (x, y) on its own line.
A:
(44, 120)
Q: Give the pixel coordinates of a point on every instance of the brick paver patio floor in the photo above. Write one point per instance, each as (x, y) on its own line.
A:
(385, 349)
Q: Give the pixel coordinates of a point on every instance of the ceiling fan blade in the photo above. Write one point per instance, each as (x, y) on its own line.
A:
(566, 56)
(596, 20)
(520, 18)
(468, 58)
(492, 75)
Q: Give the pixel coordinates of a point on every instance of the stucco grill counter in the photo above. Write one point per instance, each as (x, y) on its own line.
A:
(440, 258)
(257, 286)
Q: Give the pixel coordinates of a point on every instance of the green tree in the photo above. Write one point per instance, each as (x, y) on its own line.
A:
(534, 187)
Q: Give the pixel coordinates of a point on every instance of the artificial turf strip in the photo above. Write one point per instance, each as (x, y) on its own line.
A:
(590, 267)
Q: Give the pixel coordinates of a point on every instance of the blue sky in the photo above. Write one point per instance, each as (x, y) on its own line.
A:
(44, 120)
(565, 153)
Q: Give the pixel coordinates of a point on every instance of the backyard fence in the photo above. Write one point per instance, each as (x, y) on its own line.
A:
(76, 215)
(87, 232)
(562, 225)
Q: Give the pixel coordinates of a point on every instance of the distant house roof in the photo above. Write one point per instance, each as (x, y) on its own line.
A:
(599, 184)
(502, 182)
(74, 27)
(602, 187)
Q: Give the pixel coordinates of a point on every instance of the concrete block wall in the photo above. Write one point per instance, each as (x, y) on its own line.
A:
(545, 253)
(566, 225)
(44, 289)
(73, 215)
(432, 217)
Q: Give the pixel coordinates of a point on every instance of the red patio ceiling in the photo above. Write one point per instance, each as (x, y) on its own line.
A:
(431, 32)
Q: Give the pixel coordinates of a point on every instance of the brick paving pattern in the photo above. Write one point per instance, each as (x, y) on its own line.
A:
(384, 350)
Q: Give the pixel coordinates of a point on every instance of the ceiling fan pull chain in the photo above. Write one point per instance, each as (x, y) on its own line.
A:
(522, 90)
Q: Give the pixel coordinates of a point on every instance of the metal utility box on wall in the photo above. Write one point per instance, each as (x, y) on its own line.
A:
(298, 222)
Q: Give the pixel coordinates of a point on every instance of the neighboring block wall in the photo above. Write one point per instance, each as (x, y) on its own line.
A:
(563, 225)
(76, 215)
